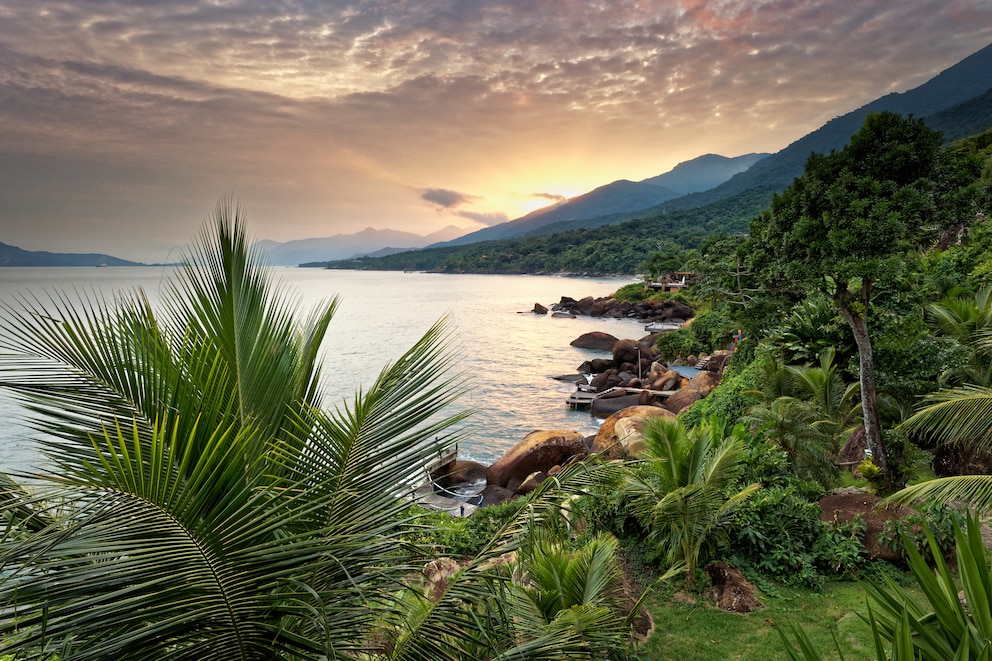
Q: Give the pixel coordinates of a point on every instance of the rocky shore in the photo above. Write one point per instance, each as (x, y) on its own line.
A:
(626, 387)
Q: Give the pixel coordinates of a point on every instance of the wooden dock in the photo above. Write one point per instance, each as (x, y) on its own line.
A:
(583, 398)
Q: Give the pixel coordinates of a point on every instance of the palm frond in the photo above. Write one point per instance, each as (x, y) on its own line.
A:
(962, 414)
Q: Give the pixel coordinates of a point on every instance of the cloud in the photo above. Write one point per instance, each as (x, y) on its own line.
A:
(446, 199)
(487, 219)
(143, 113)
(554, 197)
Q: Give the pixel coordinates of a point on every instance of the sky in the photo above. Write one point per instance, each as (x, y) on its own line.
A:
(123, 123)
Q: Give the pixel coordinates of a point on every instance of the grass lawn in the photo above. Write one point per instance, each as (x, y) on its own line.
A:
(688, 632)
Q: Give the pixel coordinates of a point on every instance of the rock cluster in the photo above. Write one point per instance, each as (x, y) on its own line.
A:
(635, 385)
(610, 307)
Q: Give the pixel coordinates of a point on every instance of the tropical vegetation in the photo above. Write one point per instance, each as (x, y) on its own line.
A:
(201, 500)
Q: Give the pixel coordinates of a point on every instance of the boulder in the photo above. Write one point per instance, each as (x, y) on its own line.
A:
(540, 309)
(599, 365)
(843, 506)
(437, 573)
(612, 442)
(681, 400)
(951, 459)
(533, 481)
(718, 362)
(630, 351)
(604, 407)
(458, 473)
(602, 307)
(667, 380)
(672, 309)
(538, 451)
(703, 383)
(596, 340)
(585, 304)
(853, 451)
(730, 590)
(494, 495)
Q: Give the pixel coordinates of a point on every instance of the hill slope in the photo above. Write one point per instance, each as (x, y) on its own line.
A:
(14, 256)
(621, 196)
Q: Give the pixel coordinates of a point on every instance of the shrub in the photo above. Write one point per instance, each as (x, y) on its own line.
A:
(777, 531)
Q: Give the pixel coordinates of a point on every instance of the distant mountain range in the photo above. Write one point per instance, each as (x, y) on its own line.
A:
(957, 102)
(699, 174)
(14, 256)
(372, 242)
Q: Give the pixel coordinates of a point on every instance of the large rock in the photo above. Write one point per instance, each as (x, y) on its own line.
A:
(540, 309)
(494, 495)
(667, 380)
(458, 473)
(616, 440)
(842, 506)
(718, 362)
(672, 309)
(600, 365)
(538, 451)
(630, 351)
(681, 400)
(596, 340)
(703, 383)
(604, 407)
(585, 304)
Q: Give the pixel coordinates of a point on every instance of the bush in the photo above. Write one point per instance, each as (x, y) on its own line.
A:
(939, 517)
(778, 529)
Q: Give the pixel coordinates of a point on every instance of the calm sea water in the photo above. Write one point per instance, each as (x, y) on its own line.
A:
(509, 357)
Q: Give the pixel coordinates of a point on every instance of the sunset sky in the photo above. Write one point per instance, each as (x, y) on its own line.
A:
(122, 123)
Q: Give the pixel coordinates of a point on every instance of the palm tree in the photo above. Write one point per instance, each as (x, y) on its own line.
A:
(825, 389)
(681, 495)
(550, 602)
(792, 425)
(967, 320)
(196, 501)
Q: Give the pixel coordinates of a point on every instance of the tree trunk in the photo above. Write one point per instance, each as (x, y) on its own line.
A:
(869, 396)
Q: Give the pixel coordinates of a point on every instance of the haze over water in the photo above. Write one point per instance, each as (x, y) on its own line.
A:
(507, 356)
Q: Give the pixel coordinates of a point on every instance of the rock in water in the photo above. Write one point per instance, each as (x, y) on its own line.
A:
(538, 451)
(596, 340)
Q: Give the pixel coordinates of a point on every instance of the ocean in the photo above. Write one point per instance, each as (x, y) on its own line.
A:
(508, 354)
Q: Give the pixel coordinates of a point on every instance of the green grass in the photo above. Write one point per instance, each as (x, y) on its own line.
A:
(688, 632)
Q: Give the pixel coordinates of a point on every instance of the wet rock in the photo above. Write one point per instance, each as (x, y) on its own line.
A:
(494, 495)
(538, 451)
(596, 340)
(540, 309)
(458, 473)
(604, 407)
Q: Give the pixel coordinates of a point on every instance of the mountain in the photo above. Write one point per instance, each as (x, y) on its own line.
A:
(957, 101)
(346, 246)
(14, 256)
(623, 195)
